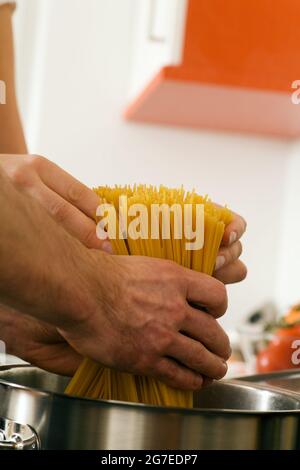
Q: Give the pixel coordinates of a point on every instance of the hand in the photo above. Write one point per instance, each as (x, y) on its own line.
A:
(128, 313)
(68, 201)
(229, 269)
(144, 323)
(37, 342)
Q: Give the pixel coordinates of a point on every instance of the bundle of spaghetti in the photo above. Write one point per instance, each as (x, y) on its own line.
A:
(92, 380)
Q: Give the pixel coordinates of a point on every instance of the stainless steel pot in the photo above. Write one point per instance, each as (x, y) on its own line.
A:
(249, 414)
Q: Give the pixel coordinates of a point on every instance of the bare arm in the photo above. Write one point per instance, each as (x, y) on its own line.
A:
(11, 133)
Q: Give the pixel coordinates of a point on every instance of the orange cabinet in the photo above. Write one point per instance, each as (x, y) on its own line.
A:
(237, 63)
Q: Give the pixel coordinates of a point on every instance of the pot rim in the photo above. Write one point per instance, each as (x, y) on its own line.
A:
(161, 409)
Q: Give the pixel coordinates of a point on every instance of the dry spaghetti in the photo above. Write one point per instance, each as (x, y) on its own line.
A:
(95, 381)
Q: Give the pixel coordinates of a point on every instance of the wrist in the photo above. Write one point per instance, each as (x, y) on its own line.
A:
(93, 305)
(84, 288)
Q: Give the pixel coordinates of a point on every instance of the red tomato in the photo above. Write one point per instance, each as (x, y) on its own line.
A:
(283, 352)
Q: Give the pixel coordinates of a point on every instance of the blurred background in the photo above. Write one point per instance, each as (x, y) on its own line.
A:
(82, 63)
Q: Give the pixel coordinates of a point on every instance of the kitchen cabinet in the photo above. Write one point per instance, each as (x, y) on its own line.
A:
(216, 64)
(158, 39)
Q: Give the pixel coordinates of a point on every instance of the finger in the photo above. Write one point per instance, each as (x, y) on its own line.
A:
(72, 219)
(68, 187)
(228, 255)
(202, 327)
(195, 356)
(205, 291)
(234, 230)
(63, 360)
(233, 273)
(177, 376)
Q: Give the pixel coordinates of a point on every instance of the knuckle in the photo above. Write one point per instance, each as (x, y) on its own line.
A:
(90, 238)
(201, 359)
(176, 308)
(157, 338)
(20, 177)
(37, 161)
(75, 192)
(213, 334)
(170, 269)
(142, 364)
(220, 297)
(21, 174)
(59, 211)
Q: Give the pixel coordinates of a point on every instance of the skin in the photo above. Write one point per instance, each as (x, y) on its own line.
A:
(11, 133)
(72, 205)
(43, 345)
(129, 313)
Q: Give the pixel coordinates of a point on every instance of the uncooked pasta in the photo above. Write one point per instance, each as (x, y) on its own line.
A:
(161, 223)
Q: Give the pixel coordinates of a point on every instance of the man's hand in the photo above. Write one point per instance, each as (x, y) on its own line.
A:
(229, 268)
(130, 313)
(69, 202)
(144, 323)
(37, 342)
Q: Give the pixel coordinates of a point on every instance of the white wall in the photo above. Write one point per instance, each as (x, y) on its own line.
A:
(82, 61)
(289, 262)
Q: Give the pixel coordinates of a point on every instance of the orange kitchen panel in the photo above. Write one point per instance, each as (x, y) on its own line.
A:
(239, 61)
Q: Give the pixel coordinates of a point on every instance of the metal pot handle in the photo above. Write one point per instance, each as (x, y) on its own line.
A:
(25, 439)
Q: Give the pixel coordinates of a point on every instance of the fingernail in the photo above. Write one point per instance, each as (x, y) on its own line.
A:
(220, 262)
(107, 247)
(232, 238)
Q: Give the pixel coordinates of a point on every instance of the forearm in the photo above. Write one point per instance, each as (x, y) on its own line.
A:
(11, 133)
(43, 271)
